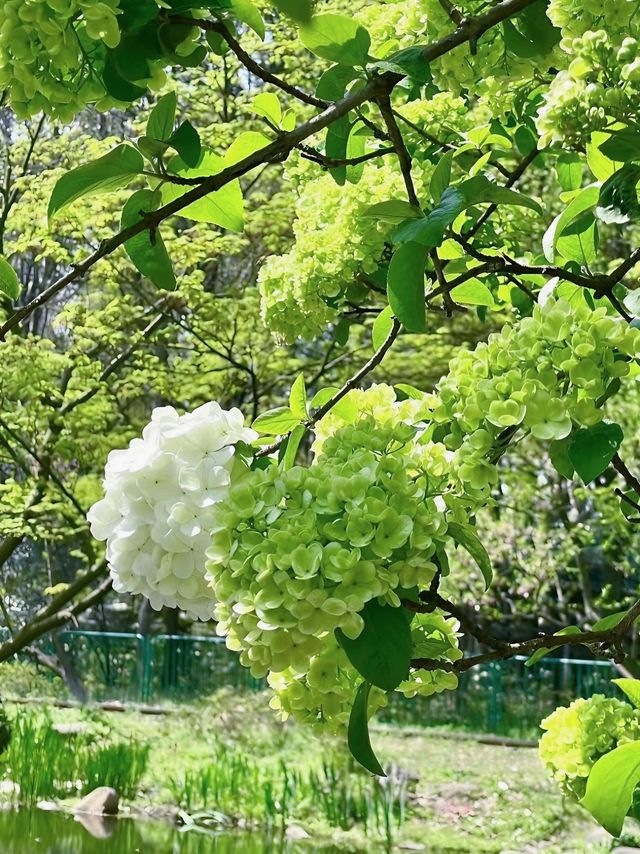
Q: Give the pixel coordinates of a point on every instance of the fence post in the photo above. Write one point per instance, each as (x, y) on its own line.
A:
(494, 712)
(145, 653)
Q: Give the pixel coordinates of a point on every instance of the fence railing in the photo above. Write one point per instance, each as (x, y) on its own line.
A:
(502, 697)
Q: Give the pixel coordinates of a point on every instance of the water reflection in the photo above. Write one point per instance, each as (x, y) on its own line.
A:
(39, 832)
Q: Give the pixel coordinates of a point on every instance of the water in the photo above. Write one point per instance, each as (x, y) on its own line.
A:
(43, 832)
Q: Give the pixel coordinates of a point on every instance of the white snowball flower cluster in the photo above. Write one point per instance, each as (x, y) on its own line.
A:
(161, 498)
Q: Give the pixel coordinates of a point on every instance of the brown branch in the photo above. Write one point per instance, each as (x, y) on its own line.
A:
(622, 470)
(331, 162)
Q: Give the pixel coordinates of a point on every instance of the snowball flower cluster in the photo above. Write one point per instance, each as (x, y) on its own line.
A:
(578, 735)
(162, 498)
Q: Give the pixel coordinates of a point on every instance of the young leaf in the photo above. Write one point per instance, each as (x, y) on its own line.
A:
(429, 231)
(382, 327)
(611, 784)
(337, 140)
(584, 201)
(298, 398)
(382, 651)
(186, 142)
(394, 210)
(163, 115)
(579, 240)
(9, 284)
(411, 61)
(569, 169)
(405, 286)
(545, 650)
(480, 189)
(441, 177)
(358, 732)
(224, 207)
(631, 687)
(333, 83)
(293, 443)
(110, 172)
(337, 38)
(249, 14)
(559, 456)
(276, 422)
(609, 622)
(247, 143)
(591, 449)
(267, 104)
(465, 536)
(147, 250)
(473, 292)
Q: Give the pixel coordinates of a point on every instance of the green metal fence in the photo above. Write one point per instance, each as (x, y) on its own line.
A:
(502, 697)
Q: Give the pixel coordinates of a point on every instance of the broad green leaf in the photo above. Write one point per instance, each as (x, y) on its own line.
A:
(441, 177)
(299, 10)
(268, 105)
(358, 732)
(429, 230)
(323, 396)
(579, 240)
(525, 140)
(293, 444)
(405, 286)
(473, 292)
(410, 391)
(411, 61)
(247, 143)
(163, 115)
(9, 284)
(584, 201)
(382, 651)
(631, 687)
(394, 210)
(117, 85)
(276, 422)
(609, 622)
(337, 38)
(298, 398)
(611, 785)
(249, 14)
(480, 189)
(618, 200)
(337, 140)
(600, 165)
(333, 83)
(570, 169)
(591, 449)
(545, 650)
(559, 456)
(186, 142)
(224, 207)
(531, 33)
(110, 172)
(622, 145)
(382, 327)
(356, 144)
(465, 536)
(147, 250)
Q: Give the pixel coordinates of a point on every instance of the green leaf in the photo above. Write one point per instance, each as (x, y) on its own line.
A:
(559, 456)
(570, 169)
(224, 207)
(298, 398)
(411, 61)
(405, 286)
(147, 250)
(584, 201)
(267, 104)
(465, 536)
(249, 14)
(299, 10)
(9, 284)
(579, 240)
(382, 651)
(163, 115)
(429, 230)
(337, 140)
(293, 444)
(609, 622)
(337, 38)
(622, 145)
(117, 85)
(358, 732)
(333, 83)
(247, 143)
(355, 148)
(611, 785)
(110, 172)
(618, 201)
(545, 650)
(631, 687)
(394, 210)
(592, 448)
(382, 327)
(632, 302)
(441, 177)
(480, 189)
(599, 164)
(276, 422)
(531, 33)
(186, 142)
(473, 292)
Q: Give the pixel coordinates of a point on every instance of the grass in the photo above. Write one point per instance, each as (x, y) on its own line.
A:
(226, 760)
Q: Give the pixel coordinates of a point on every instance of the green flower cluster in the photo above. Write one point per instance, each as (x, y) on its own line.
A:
(433, 636)
(575, 17)
(45, 53)
(577, 736)
(299, 553)
(542, 376)
(599, 85)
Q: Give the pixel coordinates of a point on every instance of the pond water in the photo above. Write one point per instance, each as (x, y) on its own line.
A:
(43, 832)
